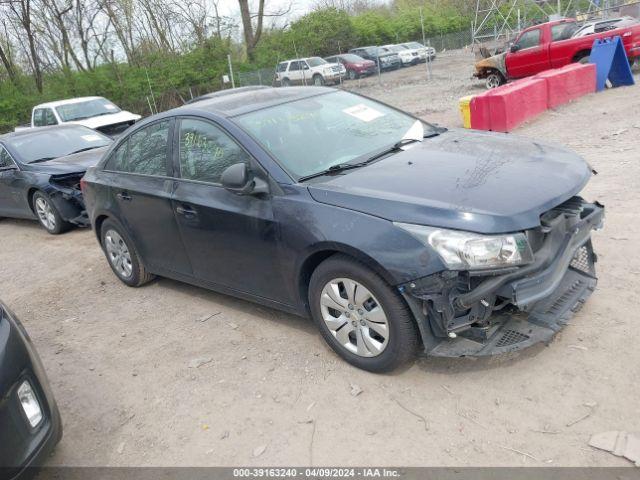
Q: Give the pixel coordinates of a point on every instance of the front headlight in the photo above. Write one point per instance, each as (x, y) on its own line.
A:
(472, 251)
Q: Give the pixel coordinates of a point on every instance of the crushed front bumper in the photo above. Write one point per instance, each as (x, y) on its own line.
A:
(493, 313)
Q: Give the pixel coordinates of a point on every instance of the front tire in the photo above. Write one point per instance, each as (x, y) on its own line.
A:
(122, 255)
(360, 316)
(352, 75)
(48, 215)
(318, 80)
(494, 80)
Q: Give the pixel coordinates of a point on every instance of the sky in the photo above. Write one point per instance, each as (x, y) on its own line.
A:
(298, 7)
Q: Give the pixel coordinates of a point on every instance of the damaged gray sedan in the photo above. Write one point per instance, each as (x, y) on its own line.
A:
(389, 232)
(40, 172)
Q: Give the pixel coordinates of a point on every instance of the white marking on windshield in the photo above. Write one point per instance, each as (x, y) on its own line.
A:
(363, 112)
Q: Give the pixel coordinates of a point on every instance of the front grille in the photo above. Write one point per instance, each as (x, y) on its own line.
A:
(511, 337)
(582, 261)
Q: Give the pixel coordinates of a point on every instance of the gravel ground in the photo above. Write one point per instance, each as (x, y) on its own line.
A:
(170, 374)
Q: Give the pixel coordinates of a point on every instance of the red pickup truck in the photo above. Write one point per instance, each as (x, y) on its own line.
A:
(549, 45)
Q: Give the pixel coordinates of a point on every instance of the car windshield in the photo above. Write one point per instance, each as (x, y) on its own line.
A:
(56, 142)
(310, 135)
(414, 45)
(316, 61)
(394, 48)
(86, 109)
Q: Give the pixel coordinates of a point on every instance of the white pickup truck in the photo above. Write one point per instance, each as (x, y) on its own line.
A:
(93, 112)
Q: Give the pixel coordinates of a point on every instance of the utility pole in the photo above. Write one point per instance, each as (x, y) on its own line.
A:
(233, 82)
(424, 42)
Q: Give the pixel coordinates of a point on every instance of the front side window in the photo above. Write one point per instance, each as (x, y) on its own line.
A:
(312, 134)
(145, 152)
(5, 158)
(529, 39)
(206, 151)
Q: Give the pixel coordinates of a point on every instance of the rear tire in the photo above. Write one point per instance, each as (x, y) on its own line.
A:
(48, 215)
(370, 327)
(122, 255)
(352, 75)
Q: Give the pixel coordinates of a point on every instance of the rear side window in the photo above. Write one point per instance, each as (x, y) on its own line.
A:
(206, 151)
(43, 117)
(144, 152)
(563, 31)
(282, 67)
(38, 118)
(49, 117)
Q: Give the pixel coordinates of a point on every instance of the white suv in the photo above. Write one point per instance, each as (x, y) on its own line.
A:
(308, 71)
(408, 56)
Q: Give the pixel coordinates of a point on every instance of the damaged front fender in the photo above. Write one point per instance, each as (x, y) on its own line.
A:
(463, 313)
(491, 64)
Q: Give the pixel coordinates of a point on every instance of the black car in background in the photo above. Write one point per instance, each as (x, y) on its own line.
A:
(388, 231)
(30, 425)
(40, 172)
(388, 60)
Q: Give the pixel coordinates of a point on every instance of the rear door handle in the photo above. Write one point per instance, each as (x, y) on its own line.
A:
(186, 211)
(124, 196)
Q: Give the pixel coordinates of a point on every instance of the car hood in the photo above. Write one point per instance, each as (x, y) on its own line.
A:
(76, 163)
(106, 120)
(476, 181)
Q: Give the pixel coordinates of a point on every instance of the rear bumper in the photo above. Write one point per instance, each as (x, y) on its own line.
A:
(506, 312)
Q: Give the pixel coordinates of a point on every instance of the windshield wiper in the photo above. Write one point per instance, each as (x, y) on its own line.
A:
(43, 159)
(82, 150)
(340, 167)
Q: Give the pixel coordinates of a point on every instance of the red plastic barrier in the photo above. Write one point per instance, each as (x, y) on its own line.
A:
(569, 82)
(479, 111)
(515, 103)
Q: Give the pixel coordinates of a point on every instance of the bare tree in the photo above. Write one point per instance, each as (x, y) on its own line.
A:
(253, 33)
(21, 10)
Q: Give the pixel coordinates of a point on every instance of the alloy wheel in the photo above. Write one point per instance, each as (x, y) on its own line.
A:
(118, 253)
(45, 214)
(493, 81)
(354, 317)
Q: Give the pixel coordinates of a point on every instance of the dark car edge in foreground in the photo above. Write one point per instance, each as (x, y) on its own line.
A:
(389, 232)
(29, 417)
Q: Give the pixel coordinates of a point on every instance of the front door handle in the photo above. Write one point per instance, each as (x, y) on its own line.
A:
(186, 211)
(124, 196)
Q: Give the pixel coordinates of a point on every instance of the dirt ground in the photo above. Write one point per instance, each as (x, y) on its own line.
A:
(170, 374)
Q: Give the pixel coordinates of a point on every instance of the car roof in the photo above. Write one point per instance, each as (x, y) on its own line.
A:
(36, 130)
(239, 101)
(68, 101)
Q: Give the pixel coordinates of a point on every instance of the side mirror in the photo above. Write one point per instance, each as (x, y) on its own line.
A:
(238, 179)
(514, 48)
